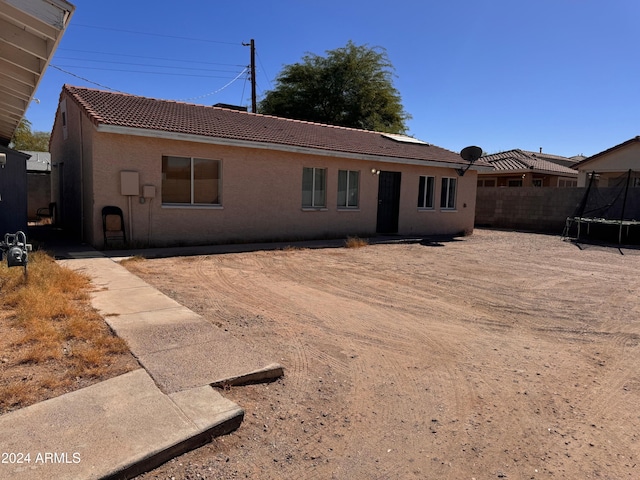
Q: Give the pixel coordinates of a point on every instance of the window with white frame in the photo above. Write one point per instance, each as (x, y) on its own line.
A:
(190, 181)
(448, 194)
(348, 187)
(426, 191)
(314, 187)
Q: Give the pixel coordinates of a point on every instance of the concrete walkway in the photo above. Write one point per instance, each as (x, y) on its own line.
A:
(130, 424)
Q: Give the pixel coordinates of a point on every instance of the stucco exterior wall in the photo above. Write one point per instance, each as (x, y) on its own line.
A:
(261, 191)
(70, 148)
(261, 195)
(527, 179)
(611, 165)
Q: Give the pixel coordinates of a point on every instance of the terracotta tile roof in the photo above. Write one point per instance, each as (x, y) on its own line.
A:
(124, 110)
(520, 160)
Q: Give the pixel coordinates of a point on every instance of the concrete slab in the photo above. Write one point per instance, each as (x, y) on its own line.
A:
(114, 429)
(179, 348)
(130, 424)
(136, 300)
(149, 332)
(220, 360)
(105, 273)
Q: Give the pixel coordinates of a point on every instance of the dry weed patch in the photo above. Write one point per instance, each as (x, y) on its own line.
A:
(355, 242)
(51, 340)
(134, 259)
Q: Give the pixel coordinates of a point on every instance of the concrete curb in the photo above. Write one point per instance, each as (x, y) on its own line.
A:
(111, 429)
(130, 424)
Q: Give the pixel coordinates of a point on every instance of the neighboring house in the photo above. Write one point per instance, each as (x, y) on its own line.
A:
(13, 191)
(194, 174)
(38, 182)
(611, 164)
(520, 168)
(29, 34)
(610, 207)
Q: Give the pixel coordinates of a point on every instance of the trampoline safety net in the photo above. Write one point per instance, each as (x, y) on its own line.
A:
(609, 214)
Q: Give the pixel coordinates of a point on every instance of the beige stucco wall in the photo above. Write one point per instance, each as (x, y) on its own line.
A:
(611, 165)
(261, 195)
(261, 192)
(71, 174)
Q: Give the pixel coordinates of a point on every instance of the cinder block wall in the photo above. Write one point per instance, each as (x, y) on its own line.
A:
(527, 208)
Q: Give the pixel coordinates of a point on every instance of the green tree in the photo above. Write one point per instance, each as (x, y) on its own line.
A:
(350, 87)
(25, 139)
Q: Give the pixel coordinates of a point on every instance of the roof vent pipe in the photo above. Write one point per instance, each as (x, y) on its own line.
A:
(540, 149)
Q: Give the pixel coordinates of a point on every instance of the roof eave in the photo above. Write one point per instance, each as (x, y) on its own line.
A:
(186, 137)
(605, 152)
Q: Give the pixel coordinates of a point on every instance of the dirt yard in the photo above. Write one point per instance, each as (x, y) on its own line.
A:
(499, 355)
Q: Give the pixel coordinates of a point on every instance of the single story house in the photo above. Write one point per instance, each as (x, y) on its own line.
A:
(520, 168)
(194, 174)
(609, 165)
(31, 31)
(610, 207)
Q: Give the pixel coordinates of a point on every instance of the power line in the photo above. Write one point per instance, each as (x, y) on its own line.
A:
(143, 71)
(146, 56)
(216, 91)
(85, 79)
(152, 34)
(264, 72)
(144, 65)
(178, 100)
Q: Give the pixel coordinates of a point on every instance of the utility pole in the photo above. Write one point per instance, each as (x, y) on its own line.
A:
(253, 74)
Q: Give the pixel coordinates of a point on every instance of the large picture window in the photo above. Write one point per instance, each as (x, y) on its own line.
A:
(314, 187)
(425, 192)
(190, 181)
(348, 184)
(448, 194)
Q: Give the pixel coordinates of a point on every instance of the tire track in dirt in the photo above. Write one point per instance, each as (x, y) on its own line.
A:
(304, 364)
(307, 362)
(616, 359)
(256, 302)
(501, 359)
(386, 338)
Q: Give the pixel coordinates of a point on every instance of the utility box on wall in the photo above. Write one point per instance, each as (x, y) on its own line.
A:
(129, 183)
(149, 191)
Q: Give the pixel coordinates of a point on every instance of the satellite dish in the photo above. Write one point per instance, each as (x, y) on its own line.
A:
(471, 154)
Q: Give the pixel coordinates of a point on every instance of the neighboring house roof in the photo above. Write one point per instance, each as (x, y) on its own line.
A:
(519, 161)
(39, 161)
(564, 161)
(31, 31)
(130, 114)
(588, 160)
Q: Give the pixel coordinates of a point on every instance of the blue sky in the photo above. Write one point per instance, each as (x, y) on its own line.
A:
(502, 74)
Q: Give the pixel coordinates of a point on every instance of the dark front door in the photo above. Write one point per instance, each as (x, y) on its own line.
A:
(388, 202)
